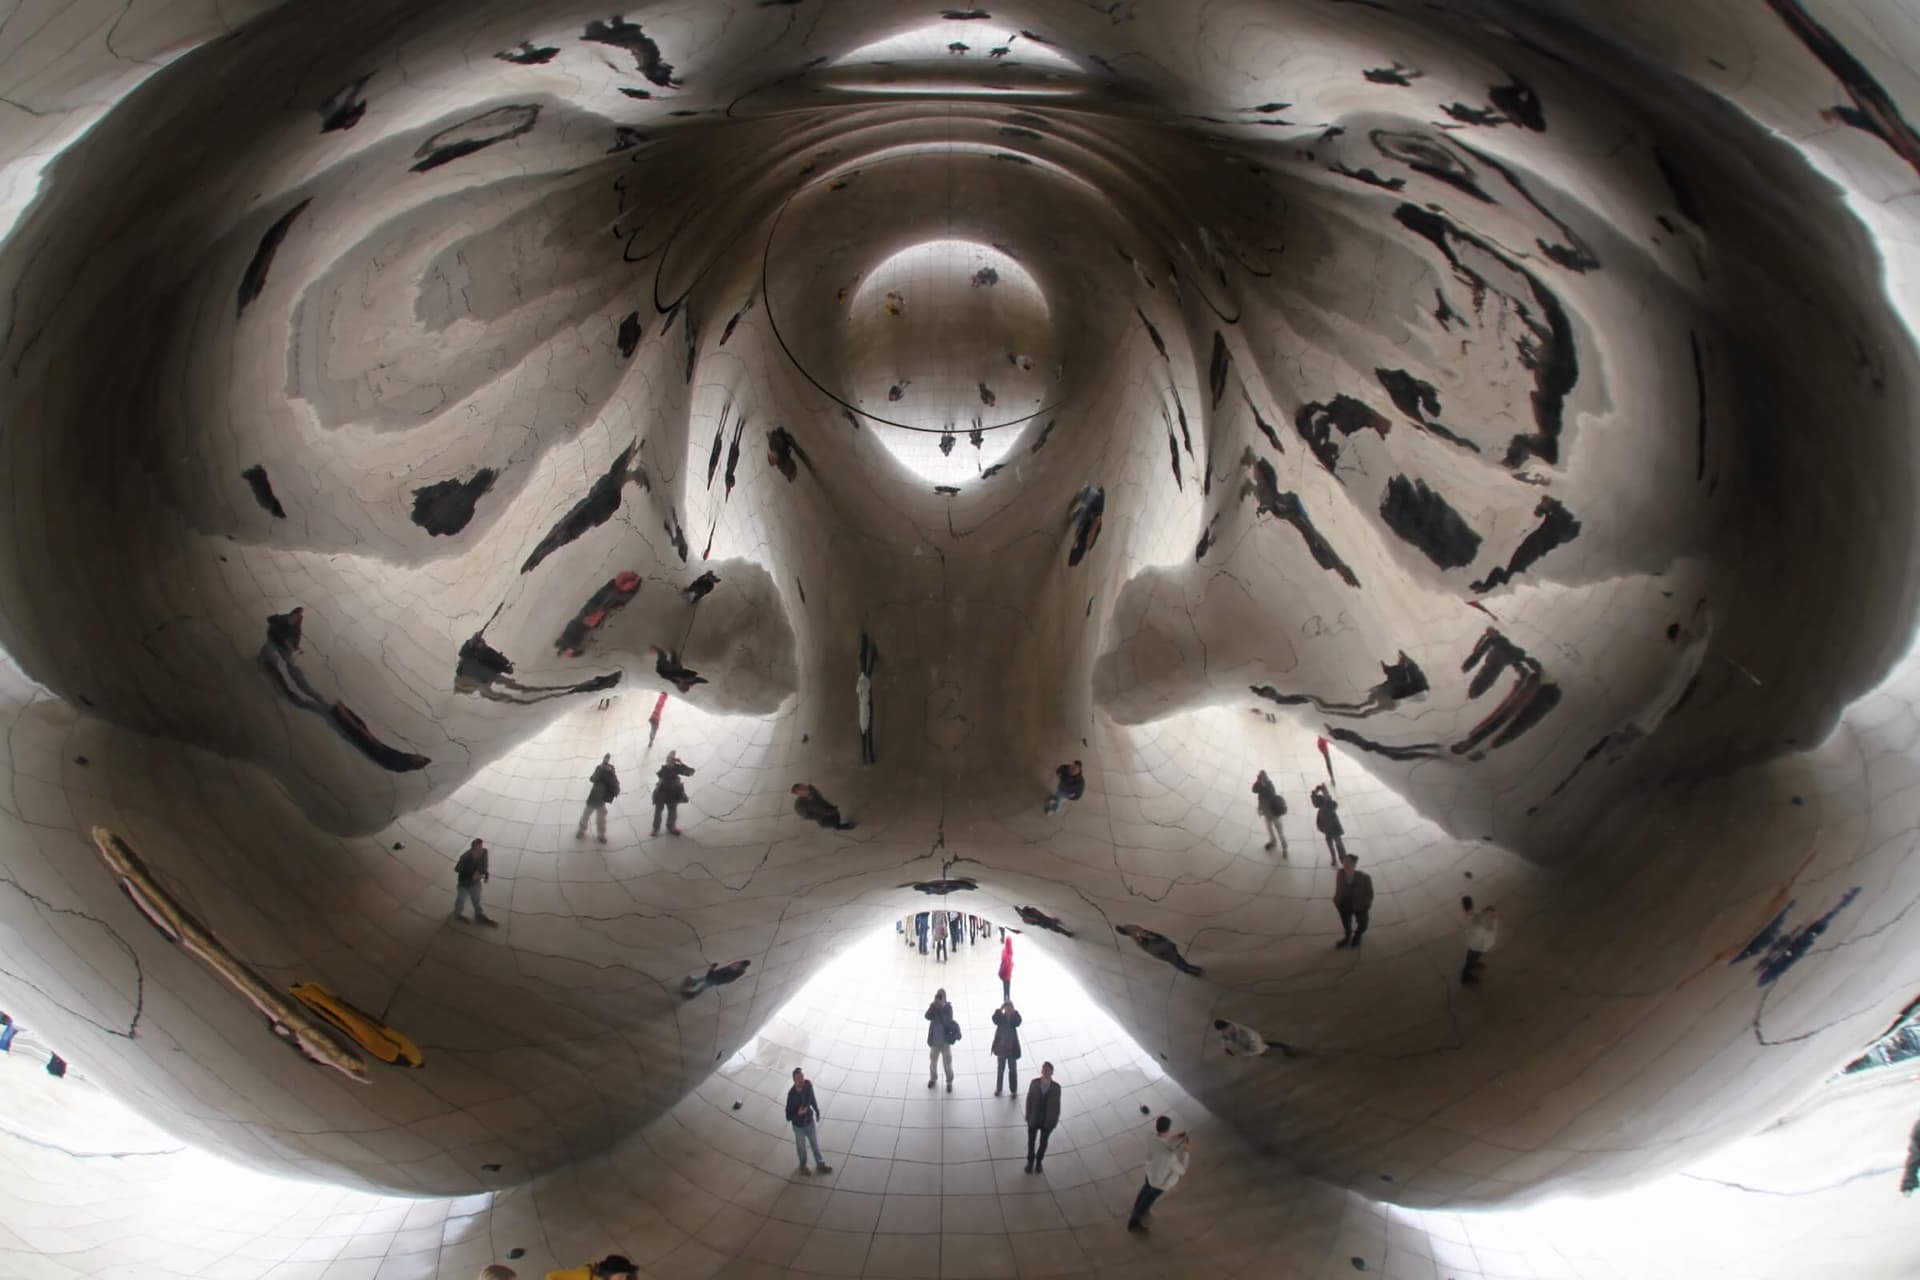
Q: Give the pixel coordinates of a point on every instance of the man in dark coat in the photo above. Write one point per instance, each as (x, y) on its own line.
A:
(669, 793)
(602, 787)
(1043, 1113)
(1006, 1048)
(1353, 899)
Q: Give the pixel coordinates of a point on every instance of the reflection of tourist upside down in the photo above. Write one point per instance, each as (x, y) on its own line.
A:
(1531, 697)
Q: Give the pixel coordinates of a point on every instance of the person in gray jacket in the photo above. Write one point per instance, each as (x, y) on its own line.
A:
(1043, 1113)
(1006, 1048)
(942, 1031)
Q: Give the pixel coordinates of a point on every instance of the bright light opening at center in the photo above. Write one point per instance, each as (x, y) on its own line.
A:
(936, 323)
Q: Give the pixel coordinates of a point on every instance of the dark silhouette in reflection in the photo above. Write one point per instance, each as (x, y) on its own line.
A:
(1264, 487)
(485, 672)
(256, 478)
(941, 887)
(667, 666)
(1557, 526)
(446, 508)
(863, 695)
(670, 792)
(816, 808)
(717, 975)
(1159, 946)
(1084, 515)
(782, 450)
(1041, 920)
(614, 594)
(276, 660)
(700, 587)
(1531, 697)
(602, 500)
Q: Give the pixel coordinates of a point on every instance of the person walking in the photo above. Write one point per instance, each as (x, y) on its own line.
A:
(1043, 1113)
(1167, 1158)
(803, 1113)
(814, 807)
(603, 787)
(942, 1034)
(1071, 785)
(1272, 808)
(1328, 820)
(1483, 930)
(1006, 969)
(1353, 899)
(1006, 1049)
(669, 793)
(469, 873)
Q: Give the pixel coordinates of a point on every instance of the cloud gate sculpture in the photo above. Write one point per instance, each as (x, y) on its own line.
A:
(1487, 418)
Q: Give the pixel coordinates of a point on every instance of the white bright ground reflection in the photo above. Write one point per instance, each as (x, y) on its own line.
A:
(936, 323)
(893, 982)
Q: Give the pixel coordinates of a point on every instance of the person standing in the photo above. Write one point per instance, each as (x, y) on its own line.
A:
(1167, 1158)
(1353, 899)
(669, 793)
(1071, 785)
(1326, 757)
(1006, 1049)
(604, 785)
(469, 873)
(1006, 969)
(653, 721)
(942, 1033)
(1328, 820)
(1483, 930)
(920, 927)
(1272, 808)
(803, 1113)
(1043, 1113)
(940, 936)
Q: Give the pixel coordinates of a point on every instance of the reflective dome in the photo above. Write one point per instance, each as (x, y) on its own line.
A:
(1485, 423)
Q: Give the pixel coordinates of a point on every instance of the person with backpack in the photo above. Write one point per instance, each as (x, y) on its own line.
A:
(1272, 807)
(1006, 1049)
(942, 1034)
(604, 785)
(469, 873)
(669, 793)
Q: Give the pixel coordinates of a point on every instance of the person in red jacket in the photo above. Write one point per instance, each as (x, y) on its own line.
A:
(1006, 969)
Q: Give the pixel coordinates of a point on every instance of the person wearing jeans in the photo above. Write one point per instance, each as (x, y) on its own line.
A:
(942, 1031)
(1043, 1113)
(469, 873)
(1483, 930)
(1166, 1165)
(803, 1113)
(1072, 785)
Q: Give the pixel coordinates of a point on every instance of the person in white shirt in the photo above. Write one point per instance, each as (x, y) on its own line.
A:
(1167, 1157)
(1483, 930)
(1244, 1042)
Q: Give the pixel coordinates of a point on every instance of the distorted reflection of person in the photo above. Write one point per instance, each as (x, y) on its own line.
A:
(666, 665)
(717, 975)
(1083, 516)
(1159, 946)
(816, 808)
(603, 786)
